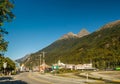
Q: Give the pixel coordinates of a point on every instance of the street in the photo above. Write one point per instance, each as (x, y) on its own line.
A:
(36, 78)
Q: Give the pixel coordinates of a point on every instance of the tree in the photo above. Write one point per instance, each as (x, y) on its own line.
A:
(5, 11)
(10, 64)
(6, 15)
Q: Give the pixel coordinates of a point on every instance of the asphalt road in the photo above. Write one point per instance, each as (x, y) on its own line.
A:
(36, 78)
(28, 78)
(10, 80)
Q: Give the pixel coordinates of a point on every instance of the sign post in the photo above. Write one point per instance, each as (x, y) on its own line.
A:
(87, 76)
(4, 66)
(55, 68)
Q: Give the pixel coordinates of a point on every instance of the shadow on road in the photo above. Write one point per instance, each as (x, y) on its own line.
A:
(13, 82)
(6, 78)
(9, 80)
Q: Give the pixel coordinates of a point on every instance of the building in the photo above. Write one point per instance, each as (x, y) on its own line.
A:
(79, 66)
(83, 66)
(73, 66)
(70, 66)
(60, 64)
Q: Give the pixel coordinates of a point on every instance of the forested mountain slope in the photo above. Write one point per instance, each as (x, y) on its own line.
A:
(101, 47)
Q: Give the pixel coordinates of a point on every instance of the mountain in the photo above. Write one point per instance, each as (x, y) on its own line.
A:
(111, 25)
(82, 33)
(102, 48)
(69, 35)
(23, 58)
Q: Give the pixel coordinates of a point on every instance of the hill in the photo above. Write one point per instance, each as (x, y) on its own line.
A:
(20, 60)
(101, 47)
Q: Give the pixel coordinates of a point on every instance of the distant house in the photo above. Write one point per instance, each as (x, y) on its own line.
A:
(36, 68)
(78, 66)
(60, 64)
(73, 66)
(22, 68)
(83, 66)
(70, 66)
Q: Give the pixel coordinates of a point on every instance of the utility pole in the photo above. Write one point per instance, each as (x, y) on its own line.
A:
(43, 60)
(40, 62)
(43, 57)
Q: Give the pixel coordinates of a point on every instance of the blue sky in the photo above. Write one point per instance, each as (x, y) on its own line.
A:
(38, 23)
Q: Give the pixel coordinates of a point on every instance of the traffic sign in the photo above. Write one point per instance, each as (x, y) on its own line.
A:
(5, 65)
(55, 67)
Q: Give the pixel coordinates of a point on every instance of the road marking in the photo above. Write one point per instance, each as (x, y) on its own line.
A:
(44, 81)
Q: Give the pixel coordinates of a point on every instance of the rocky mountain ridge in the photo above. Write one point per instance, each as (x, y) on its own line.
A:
(82, 33)
(110, 25)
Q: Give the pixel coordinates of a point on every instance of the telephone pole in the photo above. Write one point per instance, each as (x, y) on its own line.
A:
(43, 61)
(43, 57)
(40, 62)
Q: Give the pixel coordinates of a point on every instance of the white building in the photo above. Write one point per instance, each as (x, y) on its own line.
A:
(78, 66)
(73, 66)
(70, 66)
(83, 66)
(60, 64)
(22, 68)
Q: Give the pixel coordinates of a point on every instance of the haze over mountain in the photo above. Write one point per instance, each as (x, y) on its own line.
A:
(102, 47)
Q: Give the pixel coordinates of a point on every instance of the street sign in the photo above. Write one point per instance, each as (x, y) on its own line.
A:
(5, 65)
(55, 67)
